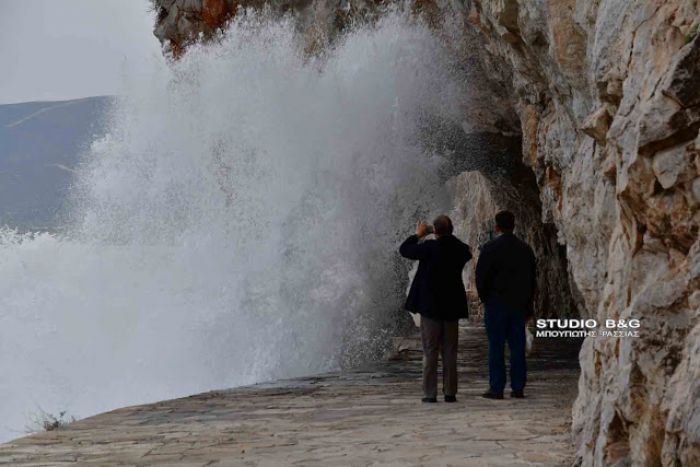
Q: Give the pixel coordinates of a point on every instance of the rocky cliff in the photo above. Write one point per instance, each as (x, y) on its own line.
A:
(608, 95)
(593, 109)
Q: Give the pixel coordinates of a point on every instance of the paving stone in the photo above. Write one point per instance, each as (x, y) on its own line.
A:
(368, 416)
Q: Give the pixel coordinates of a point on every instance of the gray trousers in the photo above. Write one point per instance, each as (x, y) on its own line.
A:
(435, 336)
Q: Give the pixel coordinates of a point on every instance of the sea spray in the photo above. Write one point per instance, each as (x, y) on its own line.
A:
(239, 223)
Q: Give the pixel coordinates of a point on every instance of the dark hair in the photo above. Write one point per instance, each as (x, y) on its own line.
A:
(443, 225)
(505, 220)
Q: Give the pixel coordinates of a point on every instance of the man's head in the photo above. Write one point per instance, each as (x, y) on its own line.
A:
(442, 225)
(505, 222)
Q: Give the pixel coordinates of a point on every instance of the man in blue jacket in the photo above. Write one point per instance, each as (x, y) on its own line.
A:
(438, 294)
(505, 279)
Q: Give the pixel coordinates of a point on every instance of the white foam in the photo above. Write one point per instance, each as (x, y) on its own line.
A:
(239, 223)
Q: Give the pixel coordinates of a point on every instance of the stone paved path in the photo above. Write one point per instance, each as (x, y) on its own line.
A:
(371, 416)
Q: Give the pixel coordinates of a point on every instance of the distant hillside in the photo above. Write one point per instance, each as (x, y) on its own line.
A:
(40, 146)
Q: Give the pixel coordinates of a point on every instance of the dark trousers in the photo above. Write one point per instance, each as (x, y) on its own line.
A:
(505, 324)
(435, 336)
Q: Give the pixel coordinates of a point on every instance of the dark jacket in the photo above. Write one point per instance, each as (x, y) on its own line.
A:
(506, 271)
(437, 290)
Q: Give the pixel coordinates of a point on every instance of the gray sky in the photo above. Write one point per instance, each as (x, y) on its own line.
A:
(63, 49)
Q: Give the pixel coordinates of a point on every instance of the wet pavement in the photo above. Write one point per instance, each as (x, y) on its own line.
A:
(369, 416)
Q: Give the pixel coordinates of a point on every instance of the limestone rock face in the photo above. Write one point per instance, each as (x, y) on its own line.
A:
(603, 99)
(613, 89)
(182, 22)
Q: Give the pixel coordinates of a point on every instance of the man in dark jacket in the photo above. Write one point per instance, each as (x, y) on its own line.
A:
(505, 279)
(438, 294)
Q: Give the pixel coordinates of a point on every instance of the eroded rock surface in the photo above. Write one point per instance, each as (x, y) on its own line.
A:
(604, 97)
(607, 94)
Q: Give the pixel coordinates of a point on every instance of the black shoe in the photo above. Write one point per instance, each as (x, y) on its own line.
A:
(429, 399)
(492, 395)
(450, 399)
(517, 395)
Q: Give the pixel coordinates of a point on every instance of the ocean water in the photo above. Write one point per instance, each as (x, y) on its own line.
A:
(238, 223)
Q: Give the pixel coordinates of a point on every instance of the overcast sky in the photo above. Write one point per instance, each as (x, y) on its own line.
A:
(63, 49)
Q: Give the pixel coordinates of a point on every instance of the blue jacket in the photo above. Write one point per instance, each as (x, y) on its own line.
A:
(437, 290)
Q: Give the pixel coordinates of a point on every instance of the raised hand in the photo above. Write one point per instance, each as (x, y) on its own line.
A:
(422, 229)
